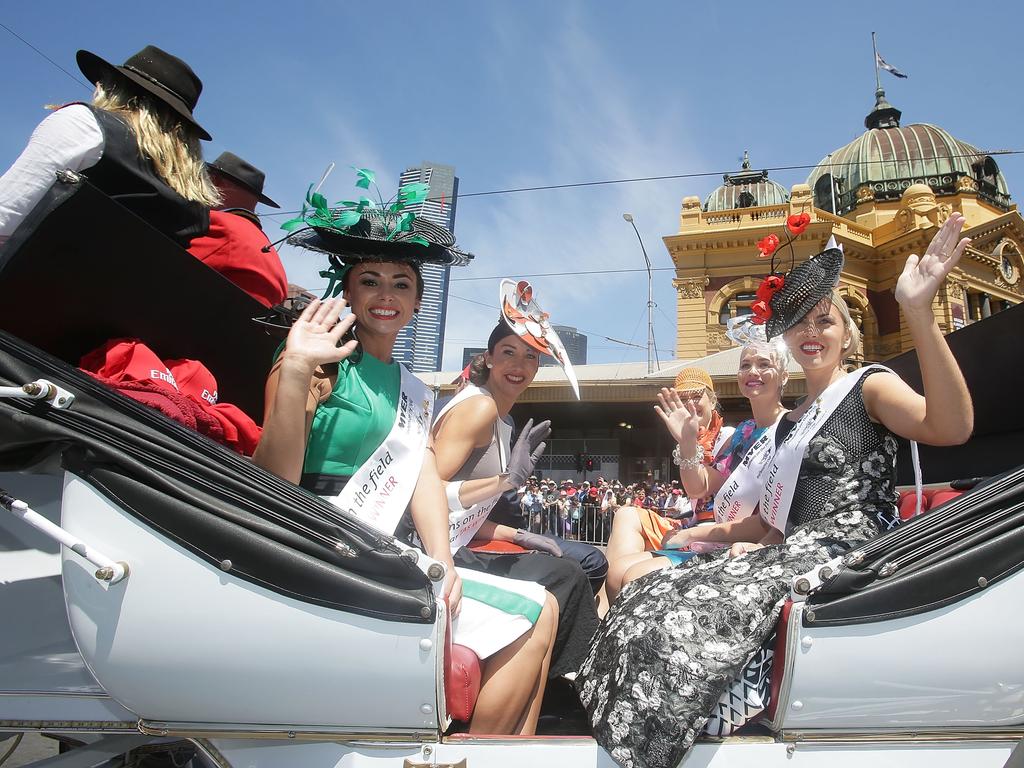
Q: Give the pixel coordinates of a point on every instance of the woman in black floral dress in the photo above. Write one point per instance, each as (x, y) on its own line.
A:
(676, 639)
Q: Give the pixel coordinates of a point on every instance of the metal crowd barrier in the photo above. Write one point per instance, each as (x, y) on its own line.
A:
(591, 527)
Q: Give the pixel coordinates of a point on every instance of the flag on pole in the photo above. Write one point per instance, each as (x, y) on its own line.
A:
(882, 64)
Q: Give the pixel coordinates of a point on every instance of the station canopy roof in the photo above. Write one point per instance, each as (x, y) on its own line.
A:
(721, 365)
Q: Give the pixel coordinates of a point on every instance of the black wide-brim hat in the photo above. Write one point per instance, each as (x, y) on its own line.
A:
(366, 241)
(805, 286)
(156, 72)
(243, 173)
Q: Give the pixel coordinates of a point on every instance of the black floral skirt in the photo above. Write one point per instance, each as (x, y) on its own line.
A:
(676, 639)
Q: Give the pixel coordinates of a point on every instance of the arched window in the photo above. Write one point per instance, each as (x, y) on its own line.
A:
(745, 200)
(738, 305)
(856, 313)
(732, 300)
(986, 171)
(826, 193)
(863, 317)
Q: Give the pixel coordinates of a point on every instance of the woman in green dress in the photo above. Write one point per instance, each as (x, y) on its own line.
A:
(334, 399)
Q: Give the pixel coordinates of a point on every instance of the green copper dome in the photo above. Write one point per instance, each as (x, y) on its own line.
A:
(746, 189)
(886, 159)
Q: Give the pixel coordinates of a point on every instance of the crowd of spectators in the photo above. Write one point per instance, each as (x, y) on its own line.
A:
(584, 510)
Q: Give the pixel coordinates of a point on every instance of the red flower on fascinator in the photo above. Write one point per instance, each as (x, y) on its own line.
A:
(770, 286)
(767, 245)
(765, 291)
(798, 222)
(761, 312)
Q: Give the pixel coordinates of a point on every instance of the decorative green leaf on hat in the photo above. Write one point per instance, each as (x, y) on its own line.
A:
(336, 275)
(345, 214)
(366, 177)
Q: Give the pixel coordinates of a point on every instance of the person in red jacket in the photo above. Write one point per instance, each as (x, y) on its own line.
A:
(235, 244)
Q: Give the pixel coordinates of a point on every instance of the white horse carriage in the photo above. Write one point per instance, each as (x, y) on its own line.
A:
(169, 596)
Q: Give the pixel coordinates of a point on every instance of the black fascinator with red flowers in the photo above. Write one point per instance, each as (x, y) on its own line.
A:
(805, 286)
(784, 298)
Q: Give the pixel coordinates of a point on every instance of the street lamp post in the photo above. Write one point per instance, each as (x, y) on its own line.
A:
(650, 297)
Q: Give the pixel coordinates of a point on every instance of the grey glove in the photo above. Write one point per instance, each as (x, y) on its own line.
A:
(535, 541)
(527, 452)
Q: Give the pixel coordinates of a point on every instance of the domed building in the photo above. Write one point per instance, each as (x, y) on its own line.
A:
(886, 160)
(881, 196)
(746, 189)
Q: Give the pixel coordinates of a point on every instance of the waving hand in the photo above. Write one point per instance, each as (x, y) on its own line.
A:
(923, 275)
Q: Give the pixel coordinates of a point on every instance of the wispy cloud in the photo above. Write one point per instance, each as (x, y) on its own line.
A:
(587, 121)
(598, 127)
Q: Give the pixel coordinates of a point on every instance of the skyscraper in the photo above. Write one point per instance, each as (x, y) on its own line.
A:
(575, 346)
(421, 343)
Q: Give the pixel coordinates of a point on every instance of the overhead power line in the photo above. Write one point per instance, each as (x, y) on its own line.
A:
(577, 184)
(58, 66)
(689, 175)
(565, 274)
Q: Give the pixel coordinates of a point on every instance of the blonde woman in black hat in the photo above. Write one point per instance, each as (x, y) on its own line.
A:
(137, 141)
(677, 640)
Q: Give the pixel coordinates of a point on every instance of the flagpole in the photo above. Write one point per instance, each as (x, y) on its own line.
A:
(874, 48)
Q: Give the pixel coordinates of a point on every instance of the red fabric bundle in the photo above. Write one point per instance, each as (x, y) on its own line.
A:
(183, 390)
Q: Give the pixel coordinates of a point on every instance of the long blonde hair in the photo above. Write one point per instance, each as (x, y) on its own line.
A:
(167, 141)
(850, 350)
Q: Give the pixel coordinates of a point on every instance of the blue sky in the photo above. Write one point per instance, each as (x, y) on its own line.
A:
(529, 93)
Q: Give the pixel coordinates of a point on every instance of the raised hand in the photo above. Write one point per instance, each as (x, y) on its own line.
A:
(527, 451)
(313, 338)
(680, 418)
(923, 275)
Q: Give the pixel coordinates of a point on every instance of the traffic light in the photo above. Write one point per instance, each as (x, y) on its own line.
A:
(579, 462)
(589, 464)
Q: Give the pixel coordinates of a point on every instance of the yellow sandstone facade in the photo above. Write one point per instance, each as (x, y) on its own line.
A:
(889, 190)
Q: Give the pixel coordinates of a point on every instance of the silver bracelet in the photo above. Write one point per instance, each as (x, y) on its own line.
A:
(687, 464)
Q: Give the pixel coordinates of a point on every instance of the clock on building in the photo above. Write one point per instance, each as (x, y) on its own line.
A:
(1008, 269)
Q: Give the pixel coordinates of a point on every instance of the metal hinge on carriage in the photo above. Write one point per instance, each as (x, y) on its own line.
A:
(43, 390)
(806, 583)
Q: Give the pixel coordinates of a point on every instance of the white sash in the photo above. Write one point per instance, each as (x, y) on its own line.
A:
(379, 491)
(768, 477)
(464, 523)
(780, 481)
(740, 493)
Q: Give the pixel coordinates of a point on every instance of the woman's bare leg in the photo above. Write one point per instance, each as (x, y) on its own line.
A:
(512, 680)
(617, 571)
(643, 567)
(626, 539)
(527, 726)
(601, 599)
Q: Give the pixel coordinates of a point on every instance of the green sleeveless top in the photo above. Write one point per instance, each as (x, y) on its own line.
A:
(350, 425)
